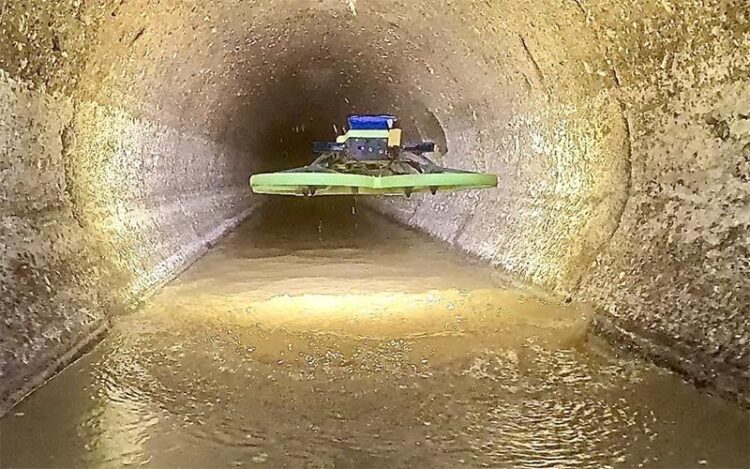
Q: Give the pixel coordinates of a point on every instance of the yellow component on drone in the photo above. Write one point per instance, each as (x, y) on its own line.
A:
(394, 138)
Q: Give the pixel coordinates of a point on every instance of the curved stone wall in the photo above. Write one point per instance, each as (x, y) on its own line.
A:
(619, 130)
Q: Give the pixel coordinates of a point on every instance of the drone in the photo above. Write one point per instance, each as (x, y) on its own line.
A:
(370, 159)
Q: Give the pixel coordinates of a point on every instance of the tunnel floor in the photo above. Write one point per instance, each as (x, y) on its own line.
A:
(344, 340)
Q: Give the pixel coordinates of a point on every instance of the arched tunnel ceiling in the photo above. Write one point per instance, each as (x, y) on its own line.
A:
(136, 124)
(253, 75)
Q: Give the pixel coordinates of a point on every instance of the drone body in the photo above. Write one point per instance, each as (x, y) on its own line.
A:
(369, 159)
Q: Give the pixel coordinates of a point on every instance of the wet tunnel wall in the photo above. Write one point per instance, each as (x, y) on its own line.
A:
(620, 131)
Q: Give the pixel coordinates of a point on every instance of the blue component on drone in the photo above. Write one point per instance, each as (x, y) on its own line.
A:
(371, 122)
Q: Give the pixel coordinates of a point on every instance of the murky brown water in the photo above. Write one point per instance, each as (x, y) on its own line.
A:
(359, 344)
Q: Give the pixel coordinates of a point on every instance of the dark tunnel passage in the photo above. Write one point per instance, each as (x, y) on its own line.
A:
(618, 129)
(315, 84)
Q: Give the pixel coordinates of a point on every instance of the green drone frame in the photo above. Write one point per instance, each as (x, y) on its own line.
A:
(333, 183)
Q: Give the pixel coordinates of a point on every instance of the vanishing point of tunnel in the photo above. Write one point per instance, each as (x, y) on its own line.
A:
(592, 310)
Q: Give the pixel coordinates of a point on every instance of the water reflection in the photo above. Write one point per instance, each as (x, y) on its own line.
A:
(360, 345)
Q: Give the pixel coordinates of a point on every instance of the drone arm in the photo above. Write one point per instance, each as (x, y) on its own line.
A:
(424, 147)
(327, 147)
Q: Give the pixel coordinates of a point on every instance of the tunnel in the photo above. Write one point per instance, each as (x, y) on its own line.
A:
(619, 131)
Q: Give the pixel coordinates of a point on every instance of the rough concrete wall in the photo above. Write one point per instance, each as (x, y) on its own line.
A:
(49, 281)
(149, 193)
(98, 206)
(675, 280)
(540, 116)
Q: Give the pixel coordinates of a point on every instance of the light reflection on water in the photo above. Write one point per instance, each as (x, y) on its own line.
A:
(366, 348)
